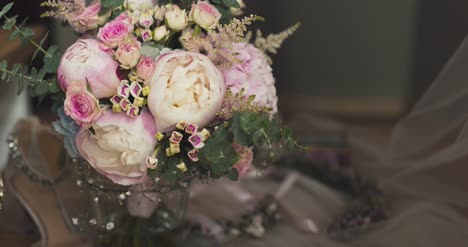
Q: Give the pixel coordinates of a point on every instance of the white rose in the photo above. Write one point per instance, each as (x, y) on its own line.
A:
(176, 19)
(205, 14)
(185, 87)
(140, 4)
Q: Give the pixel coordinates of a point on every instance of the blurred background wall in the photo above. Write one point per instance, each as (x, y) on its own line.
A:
(354, 58)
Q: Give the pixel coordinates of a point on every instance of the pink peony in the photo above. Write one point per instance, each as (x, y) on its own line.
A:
(246, 158)
(81, 105)
(128, 54)
(119, 146)
(145, 68)
(254, 75)
(116, 31)
(86, 61)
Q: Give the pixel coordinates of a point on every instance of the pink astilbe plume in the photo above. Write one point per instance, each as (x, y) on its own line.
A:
(80, 16)
(218, 43)
(64, 10)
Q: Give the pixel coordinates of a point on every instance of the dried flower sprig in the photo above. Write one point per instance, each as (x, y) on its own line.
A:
(239, 102)
(272, 42)
(64, 10)
(217, 43)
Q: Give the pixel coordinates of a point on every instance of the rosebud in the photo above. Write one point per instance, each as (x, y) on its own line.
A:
(176, 19)
(159, 13)
(161, 33)
(146, 20)
(128, 54)
(146, 35)
(205, 14)
(145, 69)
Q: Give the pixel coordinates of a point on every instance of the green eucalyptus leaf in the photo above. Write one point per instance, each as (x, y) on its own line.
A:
(40, 88)
(43, 40)
(231, 3)
(111, 3)
(10, 23)
(53, 86)
(6, 8)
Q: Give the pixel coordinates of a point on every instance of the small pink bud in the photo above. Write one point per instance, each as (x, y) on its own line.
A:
(193, 155)
(123, 90)
(191, 129)
(196, 141)
(176, 137)
(151, 162)
(125, 104)
(133, 111)
(135, 89)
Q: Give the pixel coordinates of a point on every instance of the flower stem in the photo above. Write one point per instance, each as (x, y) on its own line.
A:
(30, 40)
(19, 75)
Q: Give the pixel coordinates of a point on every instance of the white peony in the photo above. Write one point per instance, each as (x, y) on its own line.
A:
(185, 87)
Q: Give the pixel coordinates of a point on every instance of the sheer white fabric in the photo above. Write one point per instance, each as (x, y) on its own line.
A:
(427, 202)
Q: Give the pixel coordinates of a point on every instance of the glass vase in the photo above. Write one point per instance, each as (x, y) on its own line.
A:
(114, 215)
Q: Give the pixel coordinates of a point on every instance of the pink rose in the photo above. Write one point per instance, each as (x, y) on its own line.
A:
(246, 158)
(187, 87)
(116, 31)
(205, 14)
(145, 68)
(128, 54)
(119, 146)
(86, 61)
(254, 74)
(80, 105)
(146, 20)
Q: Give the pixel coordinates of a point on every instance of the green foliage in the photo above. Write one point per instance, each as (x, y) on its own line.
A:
(111, 3)
(218, 153)
(224, 7)
(33, 77)
(5, 9)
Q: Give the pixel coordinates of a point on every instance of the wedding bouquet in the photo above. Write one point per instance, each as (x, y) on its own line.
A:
(155, 94)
